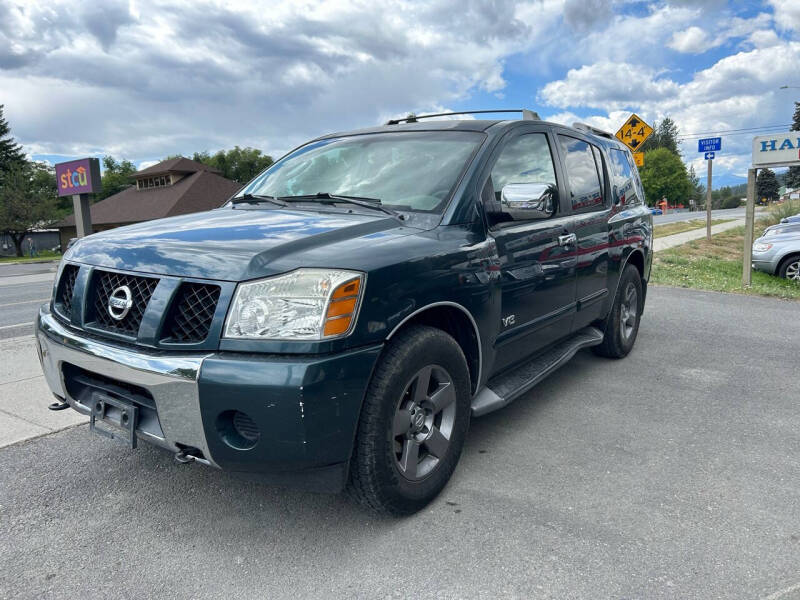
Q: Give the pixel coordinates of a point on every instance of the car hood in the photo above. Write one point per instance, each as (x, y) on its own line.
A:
(780, 238)
(236, 244)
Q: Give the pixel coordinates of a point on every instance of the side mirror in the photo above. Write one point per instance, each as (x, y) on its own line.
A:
(524, 201)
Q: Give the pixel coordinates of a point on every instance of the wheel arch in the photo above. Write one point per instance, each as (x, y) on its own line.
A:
(635, 258)
(456, 321)
(784, 259)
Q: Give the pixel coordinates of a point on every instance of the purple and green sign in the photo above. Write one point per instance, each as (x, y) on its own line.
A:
(78, 177)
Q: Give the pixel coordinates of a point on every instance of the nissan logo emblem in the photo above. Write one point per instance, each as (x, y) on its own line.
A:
(120, 302)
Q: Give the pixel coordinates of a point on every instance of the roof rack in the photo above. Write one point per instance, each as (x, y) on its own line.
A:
(594, 130)
(527, 115)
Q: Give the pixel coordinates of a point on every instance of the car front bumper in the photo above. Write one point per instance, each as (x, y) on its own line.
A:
(305, 407)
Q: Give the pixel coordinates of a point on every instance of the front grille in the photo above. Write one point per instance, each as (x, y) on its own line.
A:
(105, 282)
(192, 313)
(66, 286)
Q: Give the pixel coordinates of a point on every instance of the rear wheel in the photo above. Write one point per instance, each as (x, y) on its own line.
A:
(622, 324)
(790, 268)
(413, 423)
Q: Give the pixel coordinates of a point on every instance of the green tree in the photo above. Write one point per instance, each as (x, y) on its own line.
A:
(239, 164)
(116, 176)
(664, 176)
(697, 190)
(10, 152)
(665, 135)
(767, 185)
(27, 200)
(793, 176)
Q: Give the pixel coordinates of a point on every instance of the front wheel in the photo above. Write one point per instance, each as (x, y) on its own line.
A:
(790, 269)
(413, 423)
(622, 324)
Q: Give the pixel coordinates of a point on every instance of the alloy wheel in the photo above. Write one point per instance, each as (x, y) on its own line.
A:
(628, 311)
(423, 422)
(793, 271)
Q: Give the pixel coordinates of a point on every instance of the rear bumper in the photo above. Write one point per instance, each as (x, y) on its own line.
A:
(306, 408)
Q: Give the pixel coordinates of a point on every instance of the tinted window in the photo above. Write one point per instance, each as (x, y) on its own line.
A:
(526, 159)
(412, 171)
(584, 182)
(622, 178)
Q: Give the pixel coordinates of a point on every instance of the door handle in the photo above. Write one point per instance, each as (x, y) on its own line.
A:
(567, 240)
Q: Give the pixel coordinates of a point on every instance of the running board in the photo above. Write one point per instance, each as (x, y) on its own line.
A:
(507, 387)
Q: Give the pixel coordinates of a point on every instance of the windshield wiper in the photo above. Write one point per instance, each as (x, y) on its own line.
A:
(257, 199)
(373, 203)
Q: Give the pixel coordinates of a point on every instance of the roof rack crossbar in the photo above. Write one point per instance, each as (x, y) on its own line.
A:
(594, 130)
(527, 115)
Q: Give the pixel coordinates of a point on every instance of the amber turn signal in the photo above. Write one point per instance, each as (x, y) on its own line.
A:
(342, 308)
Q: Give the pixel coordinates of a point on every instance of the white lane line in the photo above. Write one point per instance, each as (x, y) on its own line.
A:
(15, 325)
(25, 302)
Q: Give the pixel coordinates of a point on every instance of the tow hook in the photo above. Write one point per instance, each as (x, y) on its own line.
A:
(60, 405)
(188, 455)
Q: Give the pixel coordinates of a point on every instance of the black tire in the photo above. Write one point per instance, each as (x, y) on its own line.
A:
(377, 479)
(790, 268)
(618, 341)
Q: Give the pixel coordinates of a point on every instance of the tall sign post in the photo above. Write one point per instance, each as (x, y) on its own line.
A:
(773, 150)
(79, 178)
(708, 146)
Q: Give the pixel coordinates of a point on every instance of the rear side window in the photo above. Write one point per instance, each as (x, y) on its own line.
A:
(622, 178)
(585, 184)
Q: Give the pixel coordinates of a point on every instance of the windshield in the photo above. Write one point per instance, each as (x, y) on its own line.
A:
(409, 171)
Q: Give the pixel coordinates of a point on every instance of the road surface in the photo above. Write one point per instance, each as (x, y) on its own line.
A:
(670, 474)
(727, 213)
(23, 287)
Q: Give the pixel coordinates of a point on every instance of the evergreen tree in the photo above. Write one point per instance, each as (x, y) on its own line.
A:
(665, 135)
(767, 185)
(793, 176)
(697, 190)
(10, 152)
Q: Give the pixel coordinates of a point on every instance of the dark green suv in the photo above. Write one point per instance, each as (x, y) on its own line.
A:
(338, 322)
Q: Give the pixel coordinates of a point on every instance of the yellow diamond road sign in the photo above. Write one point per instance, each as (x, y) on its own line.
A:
(634, 132)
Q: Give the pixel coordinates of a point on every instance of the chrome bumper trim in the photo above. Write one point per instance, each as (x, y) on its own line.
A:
(171, 379)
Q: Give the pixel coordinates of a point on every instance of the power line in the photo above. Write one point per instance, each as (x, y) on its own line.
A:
(732, 131)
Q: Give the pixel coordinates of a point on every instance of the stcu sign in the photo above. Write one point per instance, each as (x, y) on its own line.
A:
(78, 177)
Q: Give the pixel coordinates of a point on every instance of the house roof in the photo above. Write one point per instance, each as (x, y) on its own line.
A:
(199, 191)
(174, 165)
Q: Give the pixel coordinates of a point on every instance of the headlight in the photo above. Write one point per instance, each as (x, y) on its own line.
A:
(306, 304)
(759, 247)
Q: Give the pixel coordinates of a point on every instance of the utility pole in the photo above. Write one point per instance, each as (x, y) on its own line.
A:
(708, 202)
(749, 219)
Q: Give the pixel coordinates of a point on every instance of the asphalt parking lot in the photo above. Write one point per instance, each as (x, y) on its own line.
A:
(674, 473)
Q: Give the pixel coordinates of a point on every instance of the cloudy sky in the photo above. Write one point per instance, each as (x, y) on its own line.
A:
(143, 79)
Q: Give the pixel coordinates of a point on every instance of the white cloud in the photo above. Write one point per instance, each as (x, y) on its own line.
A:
(787, 14)
(738, 91)
(144, 80)
(692, 40)
(607, 85)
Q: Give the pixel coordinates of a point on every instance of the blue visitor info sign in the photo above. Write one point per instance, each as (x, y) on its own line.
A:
(709, 144)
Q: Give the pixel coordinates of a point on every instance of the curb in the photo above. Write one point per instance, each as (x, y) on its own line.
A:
(30, 262)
